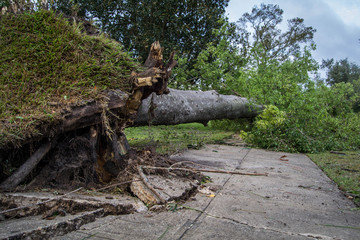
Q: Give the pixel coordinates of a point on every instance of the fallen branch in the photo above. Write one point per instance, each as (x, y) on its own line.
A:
(147, 184)
(183, 162)
(207, 170)
(39, 203)
(21, 173)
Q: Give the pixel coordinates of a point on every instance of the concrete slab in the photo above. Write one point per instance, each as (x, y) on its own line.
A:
(213, 228)
(147, 225)
(34, 203)
(27, 220)
(214, 156)
(296, 201)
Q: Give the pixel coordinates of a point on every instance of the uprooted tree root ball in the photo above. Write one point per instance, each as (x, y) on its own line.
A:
(63, 118)
(71, 166)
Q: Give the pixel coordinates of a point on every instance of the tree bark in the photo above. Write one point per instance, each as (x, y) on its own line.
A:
(193, 106)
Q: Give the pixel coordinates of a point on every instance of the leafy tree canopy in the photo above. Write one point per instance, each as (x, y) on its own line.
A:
(341, 71)
(262, 40)
(257, 48)
(183, 25)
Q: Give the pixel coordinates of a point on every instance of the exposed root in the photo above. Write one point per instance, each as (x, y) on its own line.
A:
(21, 173)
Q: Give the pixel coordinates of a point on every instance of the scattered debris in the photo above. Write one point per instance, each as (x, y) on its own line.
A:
(284, 158)
(157, 208)
(156, 189)
(206, 191)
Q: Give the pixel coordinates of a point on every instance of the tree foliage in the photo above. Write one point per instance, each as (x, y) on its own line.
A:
(183, 25)
(216, 65)
(238, 58)
(341, 71)
(262, 40)
(275, 68)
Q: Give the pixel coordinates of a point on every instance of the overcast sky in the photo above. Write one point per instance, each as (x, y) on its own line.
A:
(337, 23)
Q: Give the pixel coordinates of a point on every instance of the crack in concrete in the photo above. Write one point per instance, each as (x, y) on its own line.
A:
(196, 221)
(207, 205)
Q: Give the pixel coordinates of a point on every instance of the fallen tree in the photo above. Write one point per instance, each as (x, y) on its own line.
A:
(66, 127)
(103, 122)
(193, 106)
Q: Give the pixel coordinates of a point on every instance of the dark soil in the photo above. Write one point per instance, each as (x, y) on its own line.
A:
(72, 164)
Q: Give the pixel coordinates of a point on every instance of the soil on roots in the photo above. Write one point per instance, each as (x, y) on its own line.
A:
(72, 165)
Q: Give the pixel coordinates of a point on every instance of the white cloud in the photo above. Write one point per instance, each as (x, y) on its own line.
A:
(347, 10)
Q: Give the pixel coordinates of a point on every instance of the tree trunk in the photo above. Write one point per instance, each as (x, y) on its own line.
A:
(193, 106)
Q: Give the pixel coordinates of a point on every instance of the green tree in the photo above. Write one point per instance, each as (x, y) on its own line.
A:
(341, 71)
(262, 39)
(273, 68)
(216, 66)
(183, 25)
(262, 63)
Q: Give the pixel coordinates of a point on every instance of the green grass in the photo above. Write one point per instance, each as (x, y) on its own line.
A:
(170, 139)
(344, 170)
(46, 59)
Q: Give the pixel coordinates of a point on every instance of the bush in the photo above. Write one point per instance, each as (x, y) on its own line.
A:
(276, 130)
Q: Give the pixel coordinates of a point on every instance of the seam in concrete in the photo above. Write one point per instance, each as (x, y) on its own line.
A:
(207, 205)
(306, 235)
